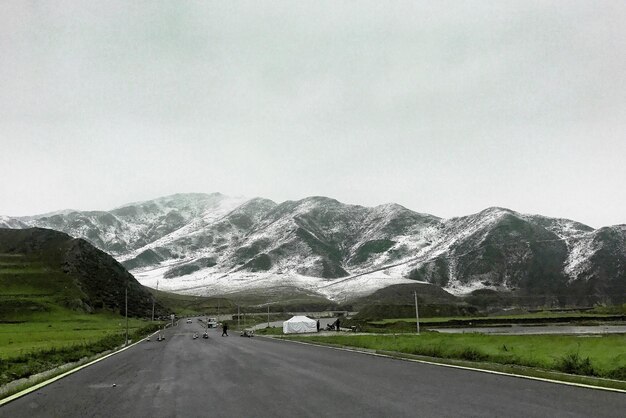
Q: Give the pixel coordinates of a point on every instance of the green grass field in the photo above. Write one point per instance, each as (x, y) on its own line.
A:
(270, 331)
(49, 340)
(43, 343)
(60, 328)
(603, 356)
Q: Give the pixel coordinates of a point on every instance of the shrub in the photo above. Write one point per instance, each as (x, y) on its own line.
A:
(574, 364)
(619, 373)
(429, 350)
(472, 354)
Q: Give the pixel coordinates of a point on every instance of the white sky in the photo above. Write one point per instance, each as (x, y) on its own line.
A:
(446, 107)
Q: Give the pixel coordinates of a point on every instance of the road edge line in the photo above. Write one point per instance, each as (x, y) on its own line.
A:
(455, 366)
(65, 374)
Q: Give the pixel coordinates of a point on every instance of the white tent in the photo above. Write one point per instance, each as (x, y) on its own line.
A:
(299, 325)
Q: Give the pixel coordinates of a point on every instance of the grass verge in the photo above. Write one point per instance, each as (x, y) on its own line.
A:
(40, 360)
(270, 331)
(595, 361)
(60, 328)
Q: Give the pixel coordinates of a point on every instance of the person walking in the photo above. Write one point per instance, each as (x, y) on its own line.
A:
(337, 324)
(318, 325)
(225, 330)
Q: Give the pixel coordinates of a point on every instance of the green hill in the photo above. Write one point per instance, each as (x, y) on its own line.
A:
(42, 271)
(61, 300)
(398, 301)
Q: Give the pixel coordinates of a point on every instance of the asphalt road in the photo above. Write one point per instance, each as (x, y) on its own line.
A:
(258, 377)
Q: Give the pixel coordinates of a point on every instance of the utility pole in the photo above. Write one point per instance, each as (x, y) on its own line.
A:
(417, 315)
(154, 300)
(126, 300)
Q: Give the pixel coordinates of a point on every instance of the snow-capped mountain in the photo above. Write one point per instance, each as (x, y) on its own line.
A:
(215, 244)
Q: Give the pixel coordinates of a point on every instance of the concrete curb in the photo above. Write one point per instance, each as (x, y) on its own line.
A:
(67, 373)
(454, 366)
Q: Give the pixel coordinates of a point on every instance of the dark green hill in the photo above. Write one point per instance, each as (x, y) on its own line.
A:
(398, 301)
(42, 269)
(510, 253)
(605, 270)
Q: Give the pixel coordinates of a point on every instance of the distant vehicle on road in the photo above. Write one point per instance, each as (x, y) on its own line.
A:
(189, 320)
(205, 335)
(211, 322)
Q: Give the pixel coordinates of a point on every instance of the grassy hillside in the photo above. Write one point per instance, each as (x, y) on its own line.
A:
(41, 308)
(399, 301)
(61, 300)
(41, 268)
(29, 287)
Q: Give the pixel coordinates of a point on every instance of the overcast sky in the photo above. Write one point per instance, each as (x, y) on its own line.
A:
(445, 107)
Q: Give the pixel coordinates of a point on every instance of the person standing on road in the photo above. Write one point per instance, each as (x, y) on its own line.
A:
(225, 330)
(337, 323)
(318, 325)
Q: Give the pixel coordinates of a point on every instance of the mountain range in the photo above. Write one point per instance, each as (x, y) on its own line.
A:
(210, 244)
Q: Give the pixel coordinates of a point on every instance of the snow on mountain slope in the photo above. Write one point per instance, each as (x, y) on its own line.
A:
(12, 223)
(605, 243)
(443, 242)
(211, 243)
(581, 251)
(496, 249)
(192, 218)
(564, 228)
(206, 283)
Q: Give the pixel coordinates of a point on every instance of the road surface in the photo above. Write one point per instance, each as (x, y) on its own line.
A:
(259, 377)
